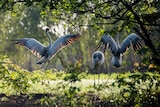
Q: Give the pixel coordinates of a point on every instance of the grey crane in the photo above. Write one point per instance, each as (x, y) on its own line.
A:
(118, 50)
(47, 52)
(97, 60)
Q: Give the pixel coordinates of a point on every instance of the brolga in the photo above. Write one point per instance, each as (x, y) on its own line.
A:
(46, 53)
(118, 50)
(97, 60)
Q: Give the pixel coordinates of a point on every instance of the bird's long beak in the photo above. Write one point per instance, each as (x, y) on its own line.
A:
(97, 63)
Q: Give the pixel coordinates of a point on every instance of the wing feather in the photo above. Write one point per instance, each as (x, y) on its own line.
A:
(63, 42)
(67, 40)
(132, 40)
(109, 43)
(59, 44)
(32, 45)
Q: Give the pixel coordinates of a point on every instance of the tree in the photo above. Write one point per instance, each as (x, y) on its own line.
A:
(140, 16)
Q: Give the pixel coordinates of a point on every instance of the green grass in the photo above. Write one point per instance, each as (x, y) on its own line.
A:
(112, 89)
(46, 82)
(73, 87)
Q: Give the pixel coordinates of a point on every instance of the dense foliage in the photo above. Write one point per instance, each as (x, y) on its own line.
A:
(90, 18)
(69, 79)
(52, 88)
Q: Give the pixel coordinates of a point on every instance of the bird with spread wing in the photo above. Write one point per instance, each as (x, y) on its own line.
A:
(46, 53)
(107, 42)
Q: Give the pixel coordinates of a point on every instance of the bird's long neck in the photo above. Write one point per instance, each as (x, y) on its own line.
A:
(117, 39)
(50, 40)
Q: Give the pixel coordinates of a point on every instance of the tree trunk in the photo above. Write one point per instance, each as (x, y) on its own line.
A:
(144, 35)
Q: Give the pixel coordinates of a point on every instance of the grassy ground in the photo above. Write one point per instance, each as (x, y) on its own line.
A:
(48, 83)
(68, 89)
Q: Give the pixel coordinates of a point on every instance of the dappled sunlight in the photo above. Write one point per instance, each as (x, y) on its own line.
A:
(114, 89)
(122, 74)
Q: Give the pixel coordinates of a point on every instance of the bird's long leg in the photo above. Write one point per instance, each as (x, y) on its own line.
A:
(94, 80)
(109, 74)
(94, 84)
(43, 65)
(98, 77)
(47, 65)
(117, 71)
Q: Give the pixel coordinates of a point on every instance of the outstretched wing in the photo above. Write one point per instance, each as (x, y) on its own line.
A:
(59, 44)
(67, 40)
(32, 45)
(109, 43)
(63, 41)
(132, 40)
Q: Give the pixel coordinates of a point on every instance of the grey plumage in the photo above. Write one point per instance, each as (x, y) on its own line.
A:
(132, 40)
(118, 50)
(59, 44)
(46, 52)
(97, 58)
(32, 45)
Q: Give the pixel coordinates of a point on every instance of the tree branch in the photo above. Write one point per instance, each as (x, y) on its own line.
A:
(135, 2)
(144, 36)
